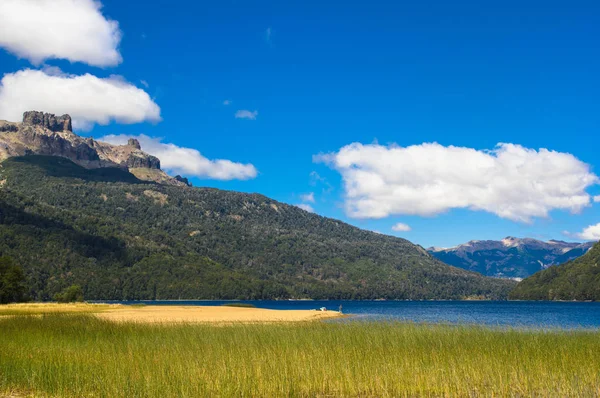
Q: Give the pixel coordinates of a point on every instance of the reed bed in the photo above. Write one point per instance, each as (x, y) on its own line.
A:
(82, 356)
(54, 308)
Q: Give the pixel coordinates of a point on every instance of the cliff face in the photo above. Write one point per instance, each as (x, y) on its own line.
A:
(47, 134)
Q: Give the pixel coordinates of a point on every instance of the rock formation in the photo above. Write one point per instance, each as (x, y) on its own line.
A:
(134, 143)
(48, 121)
(47, 134)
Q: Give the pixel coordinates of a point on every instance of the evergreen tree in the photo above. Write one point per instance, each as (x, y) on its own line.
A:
(12, 282)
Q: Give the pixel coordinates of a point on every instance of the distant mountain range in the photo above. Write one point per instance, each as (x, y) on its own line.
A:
(577, 280)
(510, 257)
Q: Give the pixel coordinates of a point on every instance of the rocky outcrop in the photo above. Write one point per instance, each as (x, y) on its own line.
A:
(147, 161)
(47, 134)
(134, 143)
(48, 121)
(6, 127)
(183, 180)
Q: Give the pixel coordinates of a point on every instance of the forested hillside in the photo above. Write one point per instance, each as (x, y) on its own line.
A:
(576, 280)
(122, 238)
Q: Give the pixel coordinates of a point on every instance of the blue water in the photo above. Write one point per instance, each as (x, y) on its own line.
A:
(551, 315)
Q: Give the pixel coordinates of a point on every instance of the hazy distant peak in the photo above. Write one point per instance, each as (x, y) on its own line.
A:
(510, 257)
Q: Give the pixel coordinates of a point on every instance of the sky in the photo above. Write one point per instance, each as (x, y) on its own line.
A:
(435, 122)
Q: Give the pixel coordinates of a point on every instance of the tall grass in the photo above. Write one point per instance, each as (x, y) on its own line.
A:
(54, 308)
(80, 355)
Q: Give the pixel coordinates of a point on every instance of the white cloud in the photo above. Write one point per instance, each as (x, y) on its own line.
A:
(227, 102)
(510, 181)
(74, 30)
(87, 98)
(268, 35)
(306, 207)
(590, 233)
(315, 178)
(187, 161)
(245, 114)
(596, 198)
(144, 83)
(308, 197)
(400, 227)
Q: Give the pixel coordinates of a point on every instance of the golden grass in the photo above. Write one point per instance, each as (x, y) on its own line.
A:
(211, 314)
(81, 355)
(55, 308)
(169, 314)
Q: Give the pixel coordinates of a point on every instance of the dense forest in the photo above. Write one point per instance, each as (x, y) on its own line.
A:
(121, 238)
(575, 280)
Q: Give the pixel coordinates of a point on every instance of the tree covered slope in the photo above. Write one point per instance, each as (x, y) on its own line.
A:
(122, 238)
(576, 280)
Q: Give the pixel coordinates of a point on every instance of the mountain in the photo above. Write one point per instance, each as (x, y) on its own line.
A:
(575, 280)
(510, 257)
(47, 134)
(123, 238)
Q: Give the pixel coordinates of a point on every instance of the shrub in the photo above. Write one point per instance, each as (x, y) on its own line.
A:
(73, 293)
(242, 305)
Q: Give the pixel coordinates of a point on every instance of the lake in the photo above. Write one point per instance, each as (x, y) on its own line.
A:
(564, 315)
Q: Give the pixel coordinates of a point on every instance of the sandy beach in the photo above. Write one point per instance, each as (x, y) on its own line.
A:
(173, 313)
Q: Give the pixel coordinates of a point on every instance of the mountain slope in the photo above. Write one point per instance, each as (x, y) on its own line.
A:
(122, 238)
(576, 280)
(510, 257)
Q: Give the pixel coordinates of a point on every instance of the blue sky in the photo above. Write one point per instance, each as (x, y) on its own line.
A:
(324, 75)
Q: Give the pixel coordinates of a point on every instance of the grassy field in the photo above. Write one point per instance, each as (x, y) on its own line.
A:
(54, 308)
(80, 355)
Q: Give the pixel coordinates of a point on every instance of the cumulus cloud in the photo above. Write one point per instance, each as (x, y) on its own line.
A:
(590, 233)
(510, 181)
(74, 30)
(187, 161)
(87, 98)
(245, 114)
(306, 207)
(400, 227)
(308, 197)
(596, 198)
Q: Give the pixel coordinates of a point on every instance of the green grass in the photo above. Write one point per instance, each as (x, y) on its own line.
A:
(79, 355)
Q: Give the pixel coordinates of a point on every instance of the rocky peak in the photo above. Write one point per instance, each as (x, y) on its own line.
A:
(134, 143)
(183, 180)
(47, 134)
(48, 121)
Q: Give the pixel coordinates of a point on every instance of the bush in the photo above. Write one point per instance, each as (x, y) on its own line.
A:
(73, 293)
(12, 282)
(241, 305)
